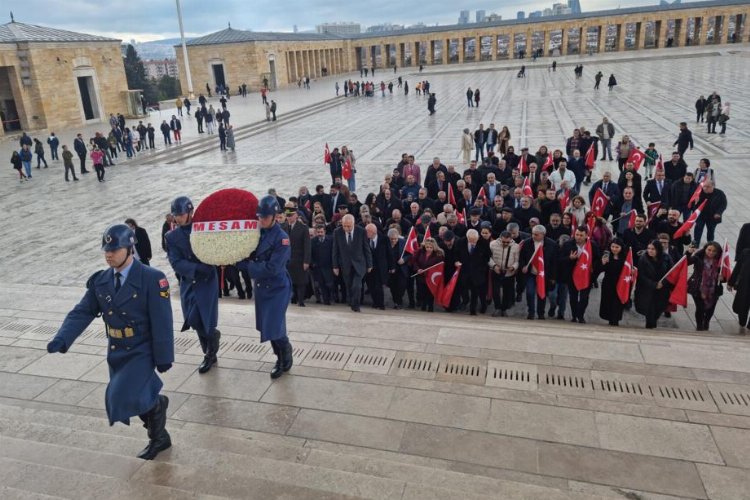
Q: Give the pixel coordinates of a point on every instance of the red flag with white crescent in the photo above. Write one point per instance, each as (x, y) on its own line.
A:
(433, 278)
(636, 156)
(412, 245)
(590, 159)
(326, 155)
(725, 271)
(652, 209)
(537, 262)
(687, 226)
(625, 282)
(523, 167)
(346, 170)
(549, 164)
(677, 276)
(527, 191)
(582, 269)
(631, 220)
(599, 203)
(447, 294)
(696, 195)
(427, 233)
(451, 196)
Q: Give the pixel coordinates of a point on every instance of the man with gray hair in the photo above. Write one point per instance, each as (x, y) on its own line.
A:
(473, 254)
(537, 261)
(352, 258)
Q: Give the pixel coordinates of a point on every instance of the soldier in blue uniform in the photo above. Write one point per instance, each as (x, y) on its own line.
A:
(199, 284)
(133, 300)
(273, 287)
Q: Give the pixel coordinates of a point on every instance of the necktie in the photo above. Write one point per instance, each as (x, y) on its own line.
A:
(118, 284)
(604, 187)
(471, 249)
(659, 184)
(348, 238)
(372, 244)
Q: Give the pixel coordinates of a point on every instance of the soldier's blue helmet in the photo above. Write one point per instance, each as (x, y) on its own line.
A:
(117, 236)
(268, 205)
(181, 205)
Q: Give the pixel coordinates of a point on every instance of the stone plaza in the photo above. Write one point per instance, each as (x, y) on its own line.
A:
(384, 404)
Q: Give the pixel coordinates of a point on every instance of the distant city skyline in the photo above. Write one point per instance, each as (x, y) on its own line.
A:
(145, 20)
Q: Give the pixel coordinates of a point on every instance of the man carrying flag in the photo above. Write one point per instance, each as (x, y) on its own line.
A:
(687, 226)
(451, 195)
(636, 157)
(412, 244)
(599, 203)
(576, 262)
(527, 191)
(538, 263)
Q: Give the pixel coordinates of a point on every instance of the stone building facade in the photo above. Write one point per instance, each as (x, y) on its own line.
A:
(54, 79)
(237, 56)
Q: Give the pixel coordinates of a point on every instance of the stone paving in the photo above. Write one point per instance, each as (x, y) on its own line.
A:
(376, 406)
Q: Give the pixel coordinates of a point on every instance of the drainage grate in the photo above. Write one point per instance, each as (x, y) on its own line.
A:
(730, 398)
(512, 375)
(568, 381)
(248, 350)
(466, 370)
(183, 342)
(251, 348)
(618, 386)
(735, 398)
(676, 393)
(17, 327)
(334, 357)
(299, 351)
(410, 364)
(45, 329)
(565, 380)
(370, 360)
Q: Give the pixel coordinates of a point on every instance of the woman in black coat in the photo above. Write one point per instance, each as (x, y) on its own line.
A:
(142, 243)
(610, 306)
(651, 292)
(703, 285)
(740, 283)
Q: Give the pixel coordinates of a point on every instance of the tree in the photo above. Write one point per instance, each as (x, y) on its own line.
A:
(169, 87)
(135, 73)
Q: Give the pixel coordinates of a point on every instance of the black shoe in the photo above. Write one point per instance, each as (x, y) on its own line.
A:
(518, 297)
(574, 320)
(497, 313)
(529, 316)
(552, 311)
(212, 348)
(667, 314)
(541, 316)
(355, 309)
(560, 316)
(582, 321)
(301, 304)
(156, 421)
(287, 357)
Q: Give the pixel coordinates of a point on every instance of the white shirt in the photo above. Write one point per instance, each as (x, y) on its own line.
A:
(557, 179)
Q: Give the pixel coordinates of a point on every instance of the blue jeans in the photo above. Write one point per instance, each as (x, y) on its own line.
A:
(490, 147)
(534, 304)
(698, 230)
(352, 183)
(27, 167)
(480, 150)
(558, 298)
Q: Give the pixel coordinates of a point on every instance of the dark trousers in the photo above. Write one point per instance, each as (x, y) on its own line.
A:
(167, 140)
(479, 150)
(503, 292)
(82, 157)
(711, 122)
(579, 301)
(324, 289)
(397, 286)
(151, 144)
(99, 171)
(473, 292)
(53, 152)
(353, 282)
(424, 296)
(72, 170)
(410, 282)
(703, 312)
(299, 291)
(701, 224)
(39, 159)
(534, 303)
(698, 116)
(375, 286)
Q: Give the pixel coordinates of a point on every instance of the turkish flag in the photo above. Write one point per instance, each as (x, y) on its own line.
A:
(625, 282)
(537, 262)
(307, 204)
(725, 271)
(631, 222)
(427, 233)
(461, 216)
(527, 191)
(522, 166)
(412, 245)
(599, 203)
(687, 226)
(678, 277)
(696, 195)
(652, 209)
(591, 222)
(451, 196)
(447, 294)
(590, 159)
(326, 154)
(433, 278)
(582, 269)
(564, 198)
(573, 224)
(636, 156)
(660, 163)
(346, 170)
(481, 194)
(549, 164)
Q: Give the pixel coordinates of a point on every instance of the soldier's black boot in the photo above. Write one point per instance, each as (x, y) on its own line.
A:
(158, 437)
(204, 343)
(286, 357)
(277, 370)
(212, 348)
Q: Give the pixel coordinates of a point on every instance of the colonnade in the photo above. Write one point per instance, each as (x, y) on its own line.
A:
(312, 62)
(605, 34)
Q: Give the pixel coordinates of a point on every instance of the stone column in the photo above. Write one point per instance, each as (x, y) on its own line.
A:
(621, 29)
(299, 58)
(446, 50)
(738, 28)
(657, 33)
(461, 49)
(582, 39)
(704, 30)
(718, 26)
(477, 48)
(493, 48)
(640, 35)
(602, 38)
(564, 41)
(529, 44)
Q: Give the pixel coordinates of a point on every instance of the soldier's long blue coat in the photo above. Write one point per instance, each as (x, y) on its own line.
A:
(273, 287)
(199, 284)
(143, 304)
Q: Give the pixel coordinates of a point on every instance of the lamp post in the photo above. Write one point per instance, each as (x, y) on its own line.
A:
(185, 53)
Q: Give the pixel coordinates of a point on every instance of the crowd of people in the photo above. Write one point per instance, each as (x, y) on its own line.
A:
(515, 226)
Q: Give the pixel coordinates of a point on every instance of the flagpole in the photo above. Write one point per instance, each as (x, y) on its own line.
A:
(723, 252)
(427, 269)
(623, 216)
(188, 76)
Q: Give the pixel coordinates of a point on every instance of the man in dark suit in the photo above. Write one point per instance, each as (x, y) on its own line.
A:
(473, 256)
(675, 168)
(378, 276)
(571, 251)
(352, 258)
(324, 199)
(321, 263)
(299, 262)
(531, 269)
(611, 189)
(337, 199)
(657, 189)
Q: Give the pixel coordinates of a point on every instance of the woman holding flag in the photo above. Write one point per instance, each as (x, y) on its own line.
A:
(615, 284)
(705, 283)
(652, 290)
(428, 256)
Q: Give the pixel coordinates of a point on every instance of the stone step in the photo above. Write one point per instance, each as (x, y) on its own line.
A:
(59, 482)
(205, 446)
(7, 493)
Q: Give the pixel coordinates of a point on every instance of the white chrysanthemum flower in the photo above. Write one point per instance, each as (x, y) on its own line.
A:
(224, 248)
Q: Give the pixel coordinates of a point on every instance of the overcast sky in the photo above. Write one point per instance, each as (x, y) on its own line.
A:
(146, 20)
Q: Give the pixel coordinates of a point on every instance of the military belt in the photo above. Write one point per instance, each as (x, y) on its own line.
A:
(117, 333)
